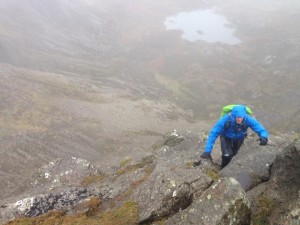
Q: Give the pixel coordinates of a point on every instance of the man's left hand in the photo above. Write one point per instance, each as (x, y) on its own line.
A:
(263, 141)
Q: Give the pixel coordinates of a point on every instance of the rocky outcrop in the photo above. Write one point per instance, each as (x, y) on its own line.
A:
(224, 202)
(251, 166)
(167, 185)
(174, 183)
(40, 204)
(123, 180)
(166, 192)
(56, 186)
(278, 202)
(62, 172)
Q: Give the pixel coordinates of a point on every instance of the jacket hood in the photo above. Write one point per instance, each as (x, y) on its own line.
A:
(239, 111)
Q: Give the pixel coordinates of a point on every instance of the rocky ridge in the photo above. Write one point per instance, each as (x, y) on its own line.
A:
(260, 186)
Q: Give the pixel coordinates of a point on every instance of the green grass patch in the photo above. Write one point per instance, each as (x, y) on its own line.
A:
(125, 161)
(189, 165)
(146, 162)
(125, 215)
(174, 86)
(92, 179)
(264, 208)
(213, 174)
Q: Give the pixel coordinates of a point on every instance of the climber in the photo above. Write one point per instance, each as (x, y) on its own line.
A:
(232, 129)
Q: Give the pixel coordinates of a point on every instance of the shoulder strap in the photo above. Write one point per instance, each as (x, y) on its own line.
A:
(228, 122)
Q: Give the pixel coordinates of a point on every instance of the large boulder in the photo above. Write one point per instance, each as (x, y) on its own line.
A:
(42, 203)
(251, 166)
(125, 178)
(169, 190)
(178, 148)
(279, 202)
(62, 172)
(224, 203)
(174, 183)
(64, 183)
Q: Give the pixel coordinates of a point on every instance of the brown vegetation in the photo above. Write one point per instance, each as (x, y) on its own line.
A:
(264, 207)
(127, 214)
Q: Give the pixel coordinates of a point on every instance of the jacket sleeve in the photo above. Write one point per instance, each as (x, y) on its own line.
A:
(258, 128)
(215, 133)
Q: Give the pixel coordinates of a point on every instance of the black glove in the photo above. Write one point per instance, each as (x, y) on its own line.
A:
(263, 141)
(197, 163)
(206, 155)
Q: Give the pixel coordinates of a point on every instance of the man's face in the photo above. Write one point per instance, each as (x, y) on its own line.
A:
(239, 120)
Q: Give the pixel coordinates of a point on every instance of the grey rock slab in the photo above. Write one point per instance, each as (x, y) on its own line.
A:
(37, 205)
(251, 166)
(224, 203)
(169, 190)
(284, 186)
(124, 178)
(61, 172)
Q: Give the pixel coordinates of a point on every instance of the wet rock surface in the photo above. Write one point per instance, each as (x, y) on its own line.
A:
(252, 165)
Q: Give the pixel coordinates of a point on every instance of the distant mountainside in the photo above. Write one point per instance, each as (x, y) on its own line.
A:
(56, 35)
(46, 116)
(125, 44)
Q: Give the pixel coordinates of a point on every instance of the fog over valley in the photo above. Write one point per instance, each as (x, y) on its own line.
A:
(104, 79)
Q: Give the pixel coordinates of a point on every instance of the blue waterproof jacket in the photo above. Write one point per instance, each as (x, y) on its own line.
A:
(228, 128)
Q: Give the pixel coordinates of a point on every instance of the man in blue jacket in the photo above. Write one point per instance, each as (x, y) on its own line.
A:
(232, 129)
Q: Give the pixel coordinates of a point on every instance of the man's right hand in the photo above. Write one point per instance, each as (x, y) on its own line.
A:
(206, 155)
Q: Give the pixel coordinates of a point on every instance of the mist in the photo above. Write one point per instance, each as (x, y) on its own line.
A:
(104, 79)
(248, 52)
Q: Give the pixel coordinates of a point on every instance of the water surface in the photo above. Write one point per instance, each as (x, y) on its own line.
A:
(204, 25)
